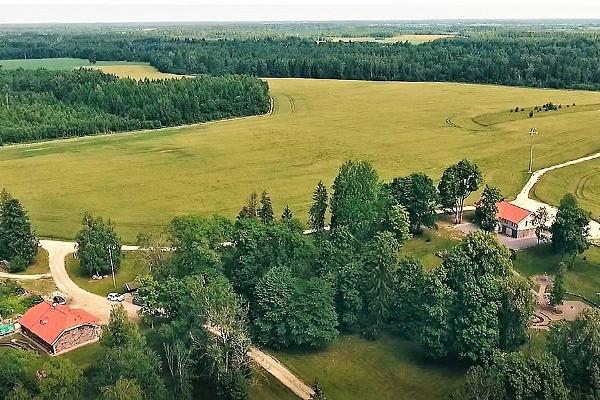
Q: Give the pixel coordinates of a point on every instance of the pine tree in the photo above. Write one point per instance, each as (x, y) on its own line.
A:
(318, 208)
(557, 295)
(265, 213)
(250, 210)
(18, 243)
(287, 214)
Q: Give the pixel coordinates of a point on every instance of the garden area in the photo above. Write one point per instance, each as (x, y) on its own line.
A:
(583, 277)
(131, 267)
(14, 299)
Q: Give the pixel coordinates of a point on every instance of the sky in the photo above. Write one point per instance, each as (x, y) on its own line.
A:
(72, 11)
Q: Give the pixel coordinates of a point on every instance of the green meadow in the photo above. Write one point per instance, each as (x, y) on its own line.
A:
(54, 63)
(142, 180)
(583, 180)
(134, 70)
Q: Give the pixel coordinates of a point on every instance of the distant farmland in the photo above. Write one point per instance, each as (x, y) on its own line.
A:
(122, 69)
(142, 180)
(414, 39)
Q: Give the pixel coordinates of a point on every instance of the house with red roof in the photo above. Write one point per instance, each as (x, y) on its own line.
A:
(514, 221)
(59, 328)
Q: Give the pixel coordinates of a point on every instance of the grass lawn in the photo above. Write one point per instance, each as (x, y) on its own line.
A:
(142, 180)
(582, 180)
(583, 278)
(40, 264)
(84, 356)
(39, 286)
(268, 388)
(388, 368)
(426, 245)
(130, 268)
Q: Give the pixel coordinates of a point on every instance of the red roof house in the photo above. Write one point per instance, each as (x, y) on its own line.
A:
(59, 328)
(514, 221)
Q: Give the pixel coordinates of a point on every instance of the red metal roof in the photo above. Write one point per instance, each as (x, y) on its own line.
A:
(510, 212)
(49, 321)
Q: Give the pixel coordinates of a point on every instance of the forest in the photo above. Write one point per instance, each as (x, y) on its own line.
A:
(561, 59)
(41, 104)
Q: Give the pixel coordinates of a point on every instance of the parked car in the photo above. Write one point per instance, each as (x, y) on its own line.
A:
(59, 300)
(118, 297)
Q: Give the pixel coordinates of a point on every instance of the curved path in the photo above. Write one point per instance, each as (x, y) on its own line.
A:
(523, 200)
(100, 307)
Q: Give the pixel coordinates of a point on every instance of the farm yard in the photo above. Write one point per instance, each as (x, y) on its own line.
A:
(141, 180)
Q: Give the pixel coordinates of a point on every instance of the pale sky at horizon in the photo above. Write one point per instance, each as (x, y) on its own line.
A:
(86, 11)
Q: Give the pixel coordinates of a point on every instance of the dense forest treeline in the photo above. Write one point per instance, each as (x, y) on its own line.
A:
(47, 104)
(538, 59)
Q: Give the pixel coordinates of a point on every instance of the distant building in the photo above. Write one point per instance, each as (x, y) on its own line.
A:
(514, 221)
(59, 328)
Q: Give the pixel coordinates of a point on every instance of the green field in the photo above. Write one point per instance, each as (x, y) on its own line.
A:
(120, 68)
(130, 268)
(142, 180)
(54, 63)
(388, 368)
(583, 180)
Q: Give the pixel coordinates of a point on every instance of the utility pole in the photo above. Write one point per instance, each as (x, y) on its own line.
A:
(112, 267)
(532, 133)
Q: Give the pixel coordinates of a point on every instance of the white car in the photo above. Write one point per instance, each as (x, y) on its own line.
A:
(115, 297)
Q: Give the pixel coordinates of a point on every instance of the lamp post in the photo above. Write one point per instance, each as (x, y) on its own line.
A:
(532, 133)
(112, 267)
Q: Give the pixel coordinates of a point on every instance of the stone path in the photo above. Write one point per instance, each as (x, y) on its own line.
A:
(544, 313)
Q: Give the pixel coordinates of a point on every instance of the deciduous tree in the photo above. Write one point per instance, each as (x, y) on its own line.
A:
(418, 195)
(577, 348)
(570, 230)
(457, 183)
(98, 247)
(486, 211)
(354, 202)
(540, 222)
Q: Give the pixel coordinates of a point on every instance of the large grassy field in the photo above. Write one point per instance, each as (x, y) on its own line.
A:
(141, 180)
(388, 368)
(583, 180)
(120, 68)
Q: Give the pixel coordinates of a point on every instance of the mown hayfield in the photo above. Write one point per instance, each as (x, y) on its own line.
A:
(135, 71)
(142, 180)
(583, 180)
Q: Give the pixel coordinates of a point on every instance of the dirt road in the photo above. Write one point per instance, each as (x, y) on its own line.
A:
(100, 307)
